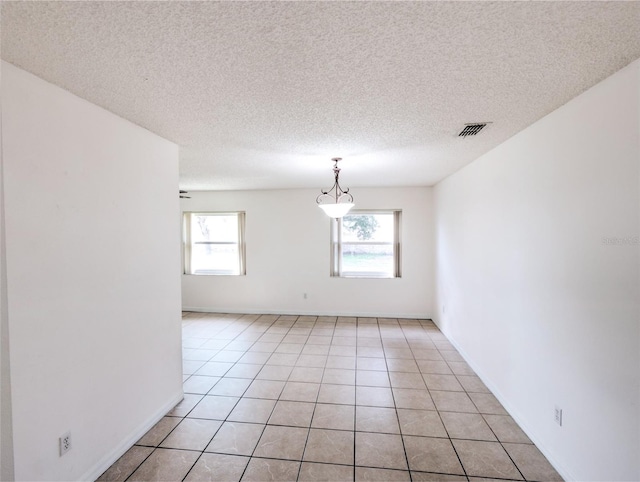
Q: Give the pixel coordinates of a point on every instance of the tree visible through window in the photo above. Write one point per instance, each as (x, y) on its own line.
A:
(214, 243)
(366, 245)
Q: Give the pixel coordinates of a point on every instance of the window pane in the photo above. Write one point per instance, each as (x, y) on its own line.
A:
(367, 227)
(215, 258)
(220, 228)
(214, 243)
(372, 259)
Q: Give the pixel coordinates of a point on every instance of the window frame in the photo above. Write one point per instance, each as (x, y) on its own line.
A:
(336, 242)
(188, 243)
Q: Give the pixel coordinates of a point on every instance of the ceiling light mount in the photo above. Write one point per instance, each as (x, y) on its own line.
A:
(340, 202)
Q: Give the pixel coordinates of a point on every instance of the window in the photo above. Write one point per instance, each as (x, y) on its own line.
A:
(214, 243)
(366, 244)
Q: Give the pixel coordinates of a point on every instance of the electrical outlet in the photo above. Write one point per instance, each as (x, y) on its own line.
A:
(65, 443)
(558, 416)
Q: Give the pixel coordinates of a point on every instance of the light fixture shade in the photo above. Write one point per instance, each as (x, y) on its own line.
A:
(336, 210)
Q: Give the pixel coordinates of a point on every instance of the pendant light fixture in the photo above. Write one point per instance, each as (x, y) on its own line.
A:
(340, 202)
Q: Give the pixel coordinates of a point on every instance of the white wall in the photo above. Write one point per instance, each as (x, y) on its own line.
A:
(6, 429)
(93, 282)
(543, 309)
(287, 240)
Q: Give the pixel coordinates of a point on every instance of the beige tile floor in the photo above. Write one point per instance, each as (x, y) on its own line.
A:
(310, 398)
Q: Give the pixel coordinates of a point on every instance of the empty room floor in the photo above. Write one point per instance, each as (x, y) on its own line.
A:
(310, 398)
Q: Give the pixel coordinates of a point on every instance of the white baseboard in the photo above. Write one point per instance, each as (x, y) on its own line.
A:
(108, 460)
(362, 314)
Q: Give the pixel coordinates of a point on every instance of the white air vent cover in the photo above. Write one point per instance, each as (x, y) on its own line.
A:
(472, 129)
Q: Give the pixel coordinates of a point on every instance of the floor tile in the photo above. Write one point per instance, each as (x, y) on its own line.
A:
(432, 455)
(425, 423)
(433, 366)
(268, 470)
(472, 383)
(230, 387)
(531, 462)
(265, 389)
(377, 419)
(301, 339)
(191, 434)
(402, 365)
(370, 351)
(453, 402)
(217, 468)
(425, 354)
(282, 442)
(340, 394)
(340, 338)
(470, 426)
(313, 472)
(451, 355)
(398, 353)
(380, 450)
(189, 367)
(236, 438)
(318, 361)
(294, 414)
(214, 369)
(227, 356)
(244, 370)
(340, 398)
(374, 342)
(126, 464)
(188, 342)
(368, 474)
(460, 367)
(431, 477)
(336, 350)
(300, 392)
(239, 345)
(338, 417)
(488, 404)
(506, 429)
(339, 376)
(442, 382)
(274, 372)
(344, 362)
(409, 398)
(252, 410)
(291, 348)
(329, 446)
(263, 347)
(165, 464)
(199, 384)
(315, 350)
(406, 380)
(486, 459)
(186, 405)
(214, 344)
(374, 396)
(306, 374)
(376, 364)
(159, 431)
(214, 407)
(282, 359)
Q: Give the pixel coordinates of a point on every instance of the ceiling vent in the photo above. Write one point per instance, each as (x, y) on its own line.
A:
(472, 129)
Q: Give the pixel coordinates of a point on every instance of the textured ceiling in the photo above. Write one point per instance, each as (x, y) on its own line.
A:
(263, 94)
